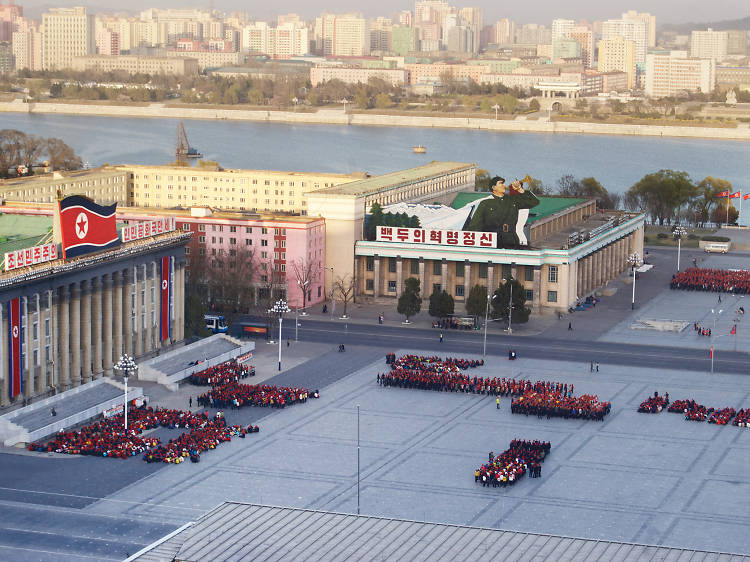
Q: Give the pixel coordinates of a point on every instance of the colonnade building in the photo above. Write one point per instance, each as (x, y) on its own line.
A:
(79, 316)
(573, 251)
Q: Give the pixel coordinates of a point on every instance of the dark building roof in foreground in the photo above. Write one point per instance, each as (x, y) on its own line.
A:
(238, 531)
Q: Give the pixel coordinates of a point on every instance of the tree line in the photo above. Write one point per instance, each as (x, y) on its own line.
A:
(21, 152)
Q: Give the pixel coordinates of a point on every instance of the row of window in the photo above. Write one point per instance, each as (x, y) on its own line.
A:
(460, 290)
(437, 269)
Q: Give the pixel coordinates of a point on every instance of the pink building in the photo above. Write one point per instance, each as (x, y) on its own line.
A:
(108, 42)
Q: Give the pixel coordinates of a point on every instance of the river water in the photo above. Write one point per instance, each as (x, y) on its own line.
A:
(616, 161)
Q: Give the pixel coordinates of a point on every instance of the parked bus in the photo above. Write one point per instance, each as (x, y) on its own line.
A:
(216, 324)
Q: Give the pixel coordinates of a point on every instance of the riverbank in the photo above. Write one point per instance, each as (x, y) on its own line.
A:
(340, 117)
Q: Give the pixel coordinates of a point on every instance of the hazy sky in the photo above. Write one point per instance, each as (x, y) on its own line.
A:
(539, 11)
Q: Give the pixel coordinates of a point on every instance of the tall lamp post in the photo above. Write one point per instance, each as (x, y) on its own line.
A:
(634, 260)
(126, 365)
(496, 108)
(302, 286)
(279, 309)
(344, 101)
(490, 298)
(678, 233)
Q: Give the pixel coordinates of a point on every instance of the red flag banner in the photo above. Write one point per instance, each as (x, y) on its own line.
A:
(15, 341)
(746, 196)
(166, 293)
(723, 194)
(735, 195)
(86, 226)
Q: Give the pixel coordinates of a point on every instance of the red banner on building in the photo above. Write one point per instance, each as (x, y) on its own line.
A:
(15, 342)
(86, 226)
(166, 294)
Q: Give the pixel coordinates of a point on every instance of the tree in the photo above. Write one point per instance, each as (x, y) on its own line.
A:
(662, 194)
(534, 105)
(476, 304)
(502, 298)
(345, 288)
(373, 221)
(306, 272)
(230, 277)
(482, 180)
(61, 156)
(410, 301)
(440, 306)
(195, 324)
(362, 99)
(536, 186)
(383, 101)
(724, 213)
(707, 197)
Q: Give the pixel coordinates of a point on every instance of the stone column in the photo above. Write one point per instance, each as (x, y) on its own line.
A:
(536, 307)
(86, 331)
(29, 384)
(376, 276)
(108, 323)
(399, 276)
(149, 280)
(62, 362)
(490, 278)
(180, 302)
(444, 275)
(589, 273)
(140, 303)
(75, 334)
(4, 354)
(96, 326)
(422, 288)
(117, 321)
(43, 379)
(127, 311)
(467, 279)
(599, 264)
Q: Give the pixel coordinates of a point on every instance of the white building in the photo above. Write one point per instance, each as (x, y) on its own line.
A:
(346, 35)
(669, 74)
(356, 75)
(646, 18)
(66, 33)
(27, 48)
(709, 44)
(561, 28)
(631, 30)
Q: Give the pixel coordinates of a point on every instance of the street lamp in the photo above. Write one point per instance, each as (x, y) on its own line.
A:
(634, 260)
(678, 233)
(496, 108)
(490, 297)
(279, 309)
(126, 365)
(295, 101)
(344, 101)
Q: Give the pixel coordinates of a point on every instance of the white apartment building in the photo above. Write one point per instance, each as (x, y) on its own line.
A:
(107, 42)
(585, 37)
(646, 18)
(134, 64)
(27, 48)
(669, 74)
(255, 37)
(66, 33)
(505, 32)
(357, 75)
(709, 44)
(287, 40)
(632, 30)
(561, 28)
(618, 54)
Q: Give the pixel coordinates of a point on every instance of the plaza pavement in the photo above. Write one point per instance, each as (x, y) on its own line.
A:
(654, 479)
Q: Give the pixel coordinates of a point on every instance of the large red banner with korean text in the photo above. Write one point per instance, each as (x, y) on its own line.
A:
(166, 294)
(30, 256)
(465, 238)
(15, 341)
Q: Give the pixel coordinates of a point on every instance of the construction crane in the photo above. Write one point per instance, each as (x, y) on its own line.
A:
(183, 149)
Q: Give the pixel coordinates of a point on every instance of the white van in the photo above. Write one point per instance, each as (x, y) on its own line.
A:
(717, 247)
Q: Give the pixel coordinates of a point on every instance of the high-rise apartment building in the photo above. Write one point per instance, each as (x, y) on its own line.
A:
(709, 44)
(565, 48)
(585, 38)
(342, 35)
(533, 34)
(108, 42)
(404, 40)
(670, 74)
(66, 33)
(561, 28)
(27, 48)
(381, 36)
(647, 19)
(631, 30)
(737, 42)
(505, 32)
(255, 37)
(618, 54)
(405, 18)
(472, 19)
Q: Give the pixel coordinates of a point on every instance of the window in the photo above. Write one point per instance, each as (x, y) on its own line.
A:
(187, 250)
(202, 251)
(392, 265)
(414, 267)
(459, 270)
(551, 296)
(369, 285)
(507, 271)
(483, 271)
(201, 228)
(248, 242)
(213, 240)
(264, 242)
(529, 273)
(264, 255)
(201, 239)
(249, 230)
(391, 286)
(552, 274)
(232, 229)
(459, 290)
(319, 289)
(264, 230)
(370, 263)
(232, 240)
(437, 268)
(529, 295)
(186, 226)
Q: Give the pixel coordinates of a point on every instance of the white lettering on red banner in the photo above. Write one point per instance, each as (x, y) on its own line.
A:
(463, 238)
(30, 256)
(140, 230)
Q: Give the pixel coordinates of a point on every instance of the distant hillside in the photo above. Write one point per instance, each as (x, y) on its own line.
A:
(686, 28)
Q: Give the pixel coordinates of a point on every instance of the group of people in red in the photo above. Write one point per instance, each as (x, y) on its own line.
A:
(694, 411)
(555, 404)
(508, 467)
(230, 371)
(735, 281)
(108, 438)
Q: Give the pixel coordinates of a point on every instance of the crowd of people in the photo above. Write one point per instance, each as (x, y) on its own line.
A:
(553, 404)
(108, 438)
(722, 416)
(510, 466)
(230, 371)
(735, 281)
(235, 396)
(701, 331)
(654, 404)
(742, 419)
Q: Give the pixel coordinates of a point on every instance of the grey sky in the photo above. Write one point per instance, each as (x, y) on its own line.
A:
(539, 11)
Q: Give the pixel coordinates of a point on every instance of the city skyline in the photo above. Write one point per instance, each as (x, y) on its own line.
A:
(666, 11)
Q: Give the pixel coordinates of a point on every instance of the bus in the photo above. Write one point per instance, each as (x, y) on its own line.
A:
(216, 324)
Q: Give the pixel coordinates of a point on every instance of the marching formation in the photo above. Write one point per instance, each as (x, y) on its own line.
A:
(654, 404)
(694, 411)
(230, 371)
(507, 468)
(713, 280)
(553, 404)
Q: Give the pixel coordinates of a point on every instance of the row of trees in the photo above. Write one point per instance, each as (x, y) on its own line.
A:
(21, 150)
(378, 218)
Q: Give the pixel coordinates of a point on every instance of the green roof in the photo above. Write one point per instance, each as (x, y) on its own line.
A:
(547, 205)
(22, 231)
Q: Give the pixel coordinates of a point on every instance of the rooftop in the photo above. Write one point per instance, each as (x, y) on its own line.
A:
(20, 231)
(52, 176)
(375, 184)
(209, 169)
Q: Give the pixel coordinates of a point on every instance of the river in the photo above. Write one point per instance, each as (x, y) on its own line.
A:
(616, 161)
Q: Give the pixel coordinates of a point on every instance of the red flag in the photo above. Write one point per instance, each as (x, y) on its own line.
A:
(735, 195)
(747, 196)
(711, 352)
(15, 340)
(734, 330)
(166, 293)
(86, 226)
(723, 194)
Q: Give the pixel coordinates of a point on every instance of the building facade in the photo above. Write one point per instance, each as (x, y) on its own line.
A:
(668, 74)
(103, 184)
(709, 44)
(66, 33)
(134, 64)
(357, 75)
(618, 54)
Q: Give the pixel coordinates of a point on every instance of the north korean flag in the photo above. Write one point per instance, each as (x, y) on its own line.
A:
(15, 343)
(86, 226)
(735, 195)
(723, 194)
(166, 294)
